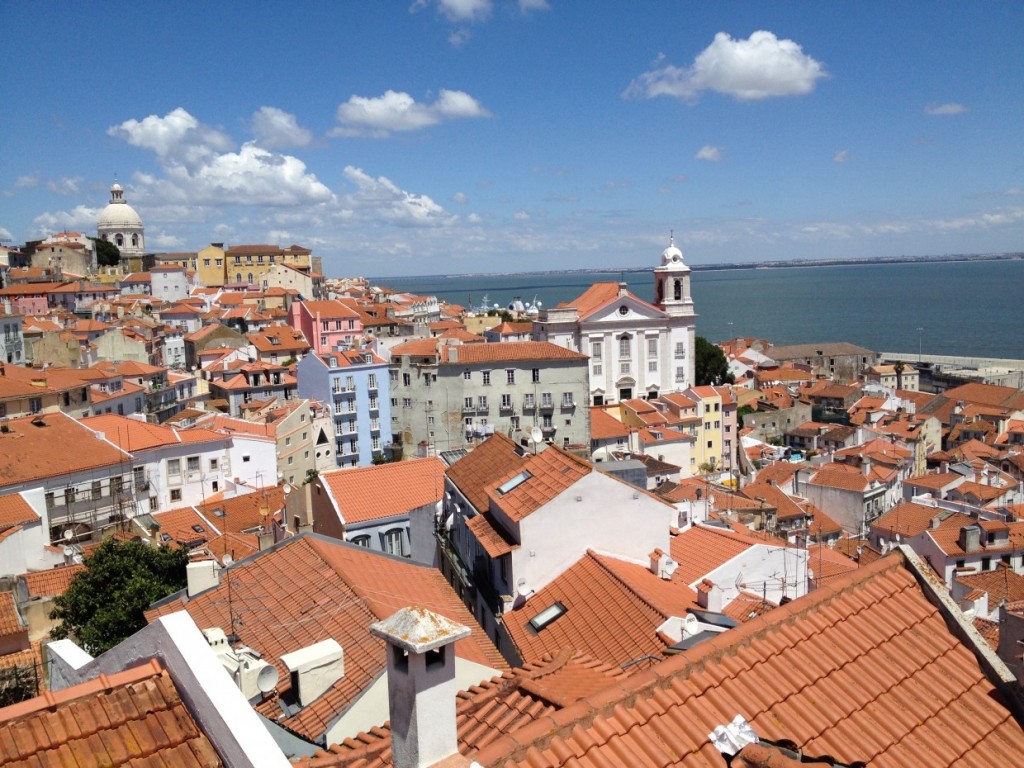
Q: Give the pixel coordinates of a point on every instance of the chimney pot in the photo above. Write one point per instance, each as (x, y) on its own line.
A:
(421, 685)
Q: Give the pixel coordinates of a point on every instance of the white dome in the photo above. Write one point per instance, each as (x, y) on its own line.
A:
(671, 255)
(119, 216)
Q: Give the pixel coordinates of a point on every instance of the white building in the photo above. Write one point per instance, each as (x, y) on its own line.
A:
(121, 225)
(636, 349)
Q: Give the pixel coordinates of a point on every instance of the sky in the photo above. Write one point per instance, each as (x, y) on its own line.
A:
(459, 136)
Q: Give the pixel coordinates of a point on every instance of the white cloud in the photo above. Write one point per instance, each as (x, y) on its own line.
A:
(459, 197)
(176, 137)
(760, 67)
(709, 153)
(65, 185)
(381, 197)
(951, 108)
(527, 6)
(521, 216)
(274, 127)
(841, 156)
(465, 10)
(474, 218)
(78, 218)
(200, 171)
(27, 181)
(459, 37)
(398, 111)
(164, 240)
(5, 235)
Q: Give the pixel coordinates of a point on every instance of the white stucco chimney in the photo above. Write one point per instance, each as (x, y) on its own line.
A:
(201, 575)
(314, 669)
(709, 596)
(421, 685)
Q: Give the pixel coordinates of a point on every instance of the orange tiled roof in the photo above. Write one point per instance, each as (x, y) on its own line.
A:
(491, 536)
(242, 513)
(14, 510)
(51, 582)
(842, 478)
(863, 669)
(604, 426)
(49, 445)
(613, 611)
(130, 718)
(1001, 584)
(309, 588)
(551, 472)
(491, 459)
(487, 711)
(510, 352)
(702, 548)
(10, 623)
(409, 485)
(184, 526)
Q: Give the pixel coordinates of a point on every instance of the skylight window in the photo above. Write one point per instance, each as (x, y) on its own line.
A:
(550, 614)
(515, 482)
(198, 528)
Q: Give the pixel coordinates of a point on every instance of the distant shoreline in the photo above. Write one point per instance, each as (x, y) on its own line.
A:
(790, 264)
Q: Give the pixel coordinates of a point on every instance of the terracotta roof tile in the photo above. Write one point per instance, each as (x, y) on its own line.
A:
(49, 445)
(10, 622)
(487, 711)
(509, 352)
(491, 536)
(309, 588)
(409, 485)
(245, 512)
(14, 510)
(550, 472)
(51, 582)
(131, 718)
(1001, 584)
(184, 526)
(491, 459)
(703, 548)
(604, 426)
(613, 611)
(864, 669)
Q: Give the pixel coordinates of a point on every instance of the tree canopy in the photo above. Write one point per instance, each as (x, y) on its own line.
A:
(106, 602)
(107, 254)
(710, 365)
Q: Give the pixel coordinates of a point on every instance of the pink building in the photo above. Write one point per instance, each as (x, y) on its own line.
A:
(327, 325)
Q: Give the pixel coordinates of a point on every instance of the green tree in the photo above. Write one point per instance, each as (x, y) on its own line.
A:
(107, 254)
(710, 365)
(106, 602)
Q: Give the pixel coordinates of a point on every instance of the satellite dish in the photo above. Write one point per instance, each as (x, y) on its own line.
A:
(68, 552)
(535, 435)
(266, 680)
(68, 535)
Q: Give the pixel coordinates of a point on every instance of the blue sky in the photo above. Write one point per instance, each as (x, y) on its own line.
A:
(431, 137)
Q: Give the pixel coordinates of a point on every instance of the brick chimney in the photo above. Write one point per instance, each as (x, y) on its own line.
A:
(421, 685)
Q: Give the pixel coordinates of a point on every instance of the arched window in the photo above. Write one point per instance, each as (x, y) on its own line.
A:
(361, 541)
(119, 240)
(679, 290)
(250, 278)
(238, 277)
(135, 241)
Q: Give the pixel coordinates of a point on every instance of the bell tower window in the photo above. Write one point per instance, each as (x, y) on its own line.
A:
(678, 290)
(119, 240)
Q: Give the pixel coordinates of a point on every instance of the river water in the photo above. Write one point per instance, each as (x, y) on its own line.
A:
(964, 308)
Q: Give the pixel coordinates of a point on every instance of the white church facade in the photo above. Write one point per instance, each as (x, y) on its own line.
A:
(636, 349)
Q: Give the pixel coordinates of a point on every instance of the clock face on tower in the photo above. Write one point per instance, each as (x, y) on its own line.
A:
(623, 310)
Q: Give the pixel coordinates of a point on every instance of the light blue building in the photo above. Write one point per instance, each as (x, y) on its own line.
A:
(354, 384)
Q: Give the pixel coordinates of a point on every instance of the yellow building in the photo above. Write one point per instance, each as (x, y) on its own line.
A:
(246, 266)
